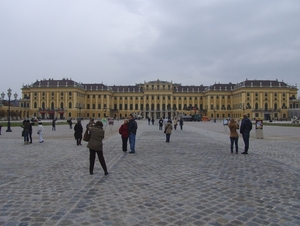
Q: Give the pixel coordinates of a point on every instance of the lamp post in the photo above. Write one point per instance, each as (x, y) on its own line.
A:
(9, 96)
(79, 106)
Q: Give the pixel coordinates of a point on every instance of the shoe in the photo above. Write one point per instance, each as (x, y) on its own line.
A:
(237, 152)
(91, 173)
(244, 153)
(105, 173)
(131, 152)
(231, 152)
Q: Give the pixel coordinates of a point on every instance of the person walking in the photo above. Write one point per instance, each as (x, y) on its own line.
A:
(234, 136)
(149, 120)
(246, 127)
(160, 123)
(152, 120)
(132, 128)
(70, 123)
(123, 130)
(96, 146)
(30, 132)
(40, 132)
(26, 125)
(0, 128)
(181, 123)
(175, 123)
(168, 129)
(53, 125)
(78, 132)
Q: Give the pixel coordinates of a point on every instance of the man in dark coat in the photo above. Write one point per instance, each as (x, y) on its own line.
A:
(246, 127)
(132, 128)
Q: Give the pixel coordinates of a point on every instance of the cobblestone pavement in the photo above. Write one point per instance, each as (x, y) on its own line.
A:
(193, 180)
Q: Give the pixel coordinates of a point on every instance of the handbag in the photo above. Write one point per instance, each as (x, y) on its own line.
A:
(86, 136)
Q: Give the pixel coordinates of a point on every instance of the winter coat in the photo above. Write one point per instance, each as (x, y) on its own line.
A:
(123, 130)
(26, 126)
(233, 127)
(246, 126)
(78, 131)
(97, 135)
(132, 126)
(160, 122)
(168, 128)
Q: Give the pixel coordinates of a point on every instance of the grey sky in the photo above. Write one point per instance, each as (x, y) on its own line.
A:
(123, 42)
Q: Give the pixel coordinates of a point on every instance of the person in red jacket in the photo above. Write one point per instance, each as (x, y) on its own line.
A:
(123, 130)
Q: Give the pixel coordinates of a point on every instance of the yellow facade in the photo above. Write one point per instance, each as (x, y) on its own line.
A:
(266, 99)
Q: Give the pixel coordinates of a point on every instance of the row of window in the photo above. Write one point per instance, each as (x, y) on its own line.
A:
(167, 107)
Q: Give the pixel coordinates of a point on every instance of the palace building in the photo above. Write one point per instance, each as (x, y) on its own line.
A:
(65, 98)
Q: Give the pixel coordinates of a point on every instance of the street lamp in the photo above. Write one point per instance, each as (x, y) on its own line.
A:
(79, 106)
(9, 96)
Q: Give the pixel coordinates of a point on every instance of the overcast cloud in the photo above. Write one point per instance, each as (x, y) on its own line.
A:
(124, 42)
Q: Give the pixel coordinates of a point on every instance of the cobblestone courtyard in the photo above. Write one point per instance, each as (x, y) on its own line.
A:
(193, 180)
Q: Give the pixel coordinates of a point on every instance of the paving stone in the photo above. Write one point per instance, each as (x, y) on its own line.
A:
(193, 180)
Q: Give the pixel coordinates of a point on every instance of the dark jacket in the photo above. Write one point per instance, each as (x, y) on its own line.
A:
(26, 126)
(181, 122)
(97, 135)
(161, 122)
(123, 130)
(246, 126)
(78, 131)
(132, 126)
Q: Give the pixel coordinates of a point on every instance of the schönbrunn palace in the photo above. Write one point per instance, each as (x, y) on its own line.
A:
(66, 98)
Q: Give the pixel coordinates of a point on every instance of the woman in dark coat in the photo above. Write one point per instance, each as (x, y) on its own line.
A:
(96, 146)
(78, 132)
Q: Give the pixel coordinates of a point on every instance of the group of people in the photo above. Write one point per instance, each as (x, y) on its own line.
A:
(96, 135)
(244, 129)
(27, 131)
